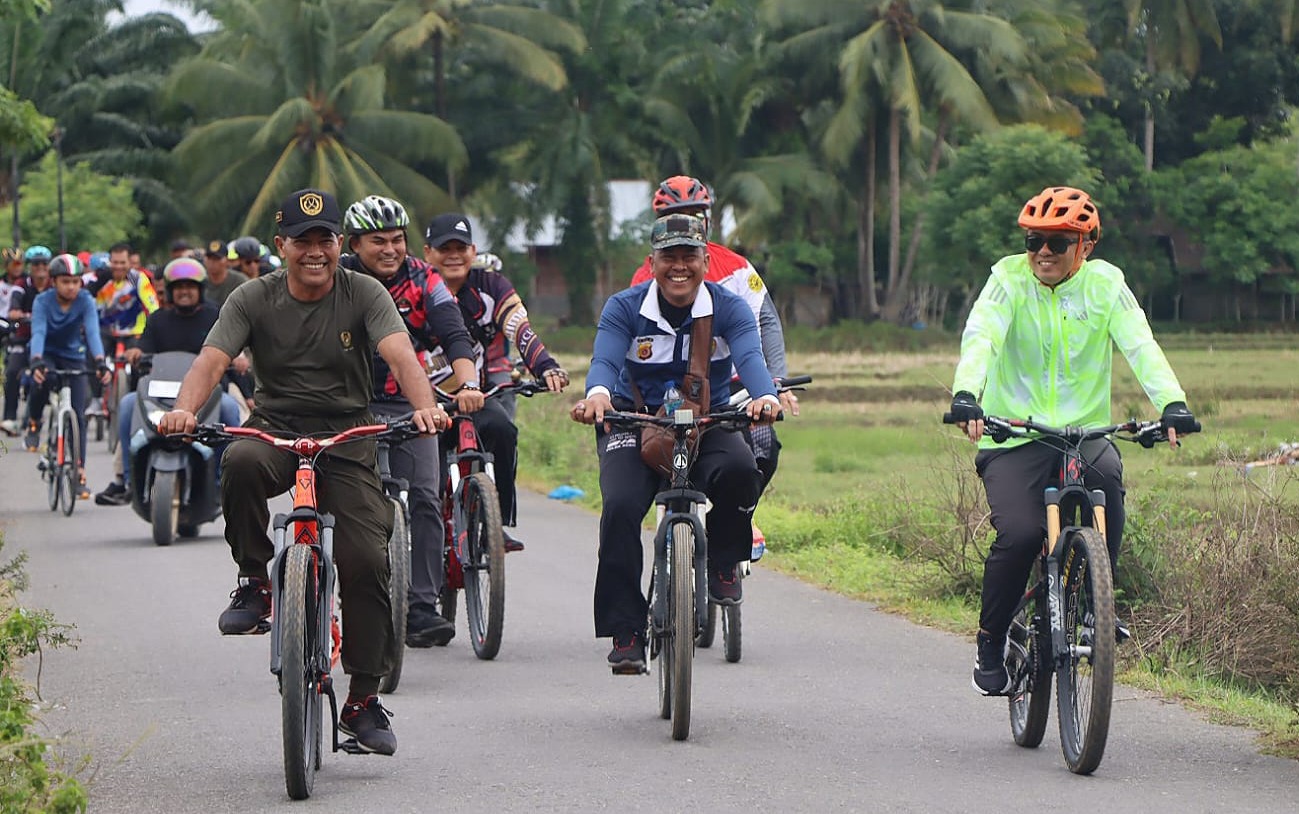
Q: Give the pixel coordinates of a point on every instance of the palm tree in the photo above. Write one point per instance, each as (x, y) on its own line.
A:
(518, 38)
(281, 104)
(900, 55)
(1170, 31)
(593, 130)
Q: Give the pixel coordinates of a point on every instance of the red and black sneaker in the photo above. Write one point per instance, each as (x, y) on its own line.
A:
(724, 586)
(250, 607)
(367, 723)
(628, 654)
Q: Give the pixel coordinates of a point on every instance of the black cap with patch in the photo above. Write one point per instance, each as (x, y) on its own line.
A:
(308, 209)
(215, 248)
(445, 228)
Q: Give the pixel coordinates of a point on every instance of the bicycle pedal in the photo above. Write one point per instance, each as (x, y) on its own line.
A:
(352, 747)
(626, 670)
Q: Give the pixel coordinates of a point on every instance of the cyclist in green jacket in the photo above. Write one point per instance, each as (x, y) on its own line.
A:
(1038, 343)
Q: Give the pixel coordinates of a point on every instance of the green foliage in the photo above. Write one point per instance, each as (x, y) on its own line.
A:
(98, 210)
(22, 127)
(27, 782)
(976, 200)
(1227, 200)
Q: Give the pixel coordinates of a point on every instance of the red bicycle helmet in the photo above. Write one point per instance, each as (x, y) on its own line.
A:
(681, 192)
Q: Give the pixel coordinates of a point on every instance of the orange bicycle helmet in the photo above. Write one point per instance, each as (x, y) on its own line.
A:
(681, 192)
(1062, 208)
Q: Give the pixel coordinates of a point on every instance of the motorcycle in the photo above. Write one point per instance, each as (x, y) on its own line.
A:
(174, 484)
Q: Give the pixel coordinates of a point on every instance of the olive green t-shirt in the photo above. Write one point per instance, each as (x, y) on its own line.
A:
(309, 358)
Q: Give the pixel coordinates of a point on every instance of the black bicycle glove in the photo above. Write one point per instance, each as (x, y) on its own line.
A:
(1177, 417)
(965, 407)
(37, 365)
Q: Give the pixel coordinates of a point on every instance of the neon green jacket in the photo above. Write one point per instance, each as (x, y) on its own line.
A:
(1033, 351)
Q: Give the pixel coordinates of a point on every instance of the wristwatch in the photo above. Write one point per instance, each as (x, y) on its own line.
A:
(470, 386)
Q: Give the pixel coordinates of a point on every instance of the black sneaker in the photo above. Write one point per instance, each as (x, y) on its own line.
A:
(367, 723)
(32, 440)
(425, 627)
(725, 586)
(990, 674)
(511, 543)
(250, 607)
(627, 658)
(114, 494)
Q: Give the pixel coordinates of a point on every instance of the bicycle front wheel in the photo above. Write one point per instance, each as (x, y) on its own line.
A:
(1029, 662)
(398, 591)
(68, 464)
(483, 563)
(1086, 676)
(681, 619)
(300, 704)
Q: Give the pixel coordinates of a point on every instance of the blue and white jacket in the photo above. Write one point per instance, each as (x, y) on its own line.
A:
(634, 340)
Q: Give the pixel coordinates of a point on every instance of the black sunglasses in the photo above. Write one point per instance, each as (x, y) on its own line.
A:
(1059, 244)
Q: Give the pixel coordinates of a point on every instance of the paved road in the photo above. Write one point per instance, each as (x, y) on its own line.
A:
(835, 706)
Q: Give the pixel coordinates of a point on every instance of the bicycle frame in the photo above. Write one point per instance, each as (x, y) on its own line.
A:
(676, 504)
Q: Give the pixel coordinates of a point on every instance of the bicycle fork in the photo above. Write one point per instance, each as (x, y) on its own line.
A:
(1055, 579)
(670, 507)
(304, 522)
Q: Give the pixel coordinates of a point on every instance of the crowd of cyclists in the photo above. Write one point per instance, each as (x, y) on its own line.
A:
(340, 325)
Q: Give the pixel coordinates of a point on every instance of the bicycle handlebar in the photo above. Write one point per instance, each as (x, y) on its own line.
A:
(1145, 433)
(396, 431)
(522, 388)
(738, 418)
(741, 397)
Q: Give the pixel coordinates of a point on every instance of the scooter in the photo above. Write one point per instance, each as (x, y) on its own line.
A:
(174, 484)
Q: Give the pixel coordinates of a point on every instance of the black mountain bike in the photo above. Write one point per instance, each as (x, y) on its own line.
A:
(398, 492)
(1065, 623)
(678, 589)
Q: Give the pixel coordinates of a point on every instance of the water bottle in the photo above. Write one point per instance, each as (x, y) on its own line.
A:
(672, 399)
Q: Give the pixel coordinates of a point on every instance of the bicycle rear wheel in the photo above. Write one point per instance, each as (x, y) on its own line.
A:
(300, 703)
(119, 387)
(1029, 662)
(52, 475)
(68, 465)
(398, 590)
(483, 564)
(681, 620)
(1086, 678)
(731, 632)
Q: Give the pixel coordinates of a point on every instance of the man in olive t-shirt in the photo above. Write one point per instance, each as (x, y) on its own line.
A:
(312, 330)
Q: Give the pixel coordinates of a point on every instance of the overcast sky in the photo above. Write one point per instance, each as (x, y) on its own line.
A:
(195, 23)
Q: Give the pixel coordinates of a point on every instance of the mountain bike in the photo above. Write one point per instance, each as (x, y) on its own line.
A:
(678, 587)
(1065, 622)
(305, 637)
(58, 463)
(398, 492)
(732, 619)
(475, 541)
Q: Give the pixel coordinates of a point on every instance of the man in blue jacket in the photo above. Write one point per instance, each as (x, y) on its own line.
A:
(64, 322)
(644, 338)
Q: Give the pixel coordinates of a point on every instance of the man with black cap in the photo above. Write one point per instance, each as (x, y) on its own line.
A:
(642, 344)
(221, 279)
(312, 331)
(490, 307)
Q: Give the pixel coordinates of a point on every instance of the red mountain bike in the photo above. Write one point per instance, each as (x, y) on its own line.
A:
(305, 636)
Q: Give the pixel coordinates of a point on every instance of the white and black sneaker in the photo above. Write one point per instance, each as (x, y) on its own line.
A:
(990, 674)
